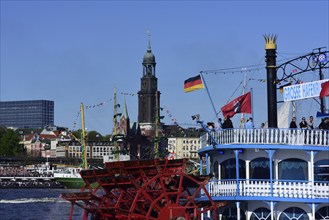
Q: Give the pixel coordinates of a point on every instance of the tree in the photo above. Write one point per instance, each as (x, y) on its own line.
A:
(77, 134)
(9, 143)
(106, 137)
(93, 136)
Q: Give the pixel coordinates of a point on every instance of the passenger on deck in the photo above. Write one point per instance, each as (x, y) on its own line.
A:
(219, 125)
(324, 125)
(227, 123)
(262, 125)
(249, 124)
(303, 124)
(293, 123)
(242, 123)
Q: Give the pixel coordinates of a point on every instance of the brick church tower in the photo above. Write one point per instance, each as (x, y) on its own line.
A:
(148, 96)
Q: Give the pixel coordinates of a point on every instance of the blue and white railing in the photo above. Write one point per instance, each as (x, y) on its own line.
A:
(263, 188)
(268, 136)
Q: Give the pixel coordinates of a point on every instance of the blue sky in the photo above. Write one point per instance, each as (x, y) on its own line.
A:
(77, 51)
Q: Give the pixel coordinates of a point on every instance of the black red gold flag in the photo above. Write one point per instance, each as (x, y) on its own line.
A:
(193, 83)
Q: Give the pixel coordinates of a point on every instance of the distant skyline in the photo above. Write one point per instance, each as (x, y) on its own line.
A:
(79, 51)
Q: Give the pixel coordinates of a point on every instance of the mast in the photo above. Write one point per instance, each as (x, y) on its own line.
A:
(156, 139)
(83, 138)
(115, 123)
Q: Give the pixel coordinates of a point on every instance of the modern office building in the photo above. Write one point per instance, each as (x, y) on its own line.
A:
(26, 114)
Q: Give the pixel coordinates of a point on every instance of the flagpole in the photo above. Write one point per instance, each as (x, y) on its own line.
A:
(252, 106)
(212, 103)
(243, 92)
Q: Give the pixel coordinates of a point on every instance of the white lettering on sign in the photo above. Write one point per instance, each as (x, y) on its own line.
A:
(302, 91)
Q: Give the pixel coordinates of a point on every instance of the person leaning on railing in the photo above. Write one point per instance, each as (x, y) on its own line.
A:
(303, 124)
(293, 123)
(324, 125)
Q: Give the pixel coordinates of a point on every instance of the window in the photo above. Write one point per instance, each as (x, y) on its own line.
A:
(228, 169)
(322, 214)
(261, 214)
(293, 169)
(293, 213)
(260, 168)
(321, 170)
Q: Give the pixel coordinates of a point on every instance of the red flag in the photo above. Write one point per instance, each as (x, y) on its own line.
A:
(325, 89)
(242, 104)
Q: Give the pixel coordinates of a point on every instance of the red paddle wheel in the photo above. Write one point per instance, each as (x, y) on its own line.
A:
(151, 189)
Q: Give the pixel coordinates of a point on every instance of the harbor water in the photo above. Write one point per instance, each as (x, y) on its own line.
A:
(35, 204)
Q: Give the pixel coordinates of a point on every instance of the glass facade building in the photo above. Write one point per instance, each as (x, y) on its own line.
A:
(27, 114)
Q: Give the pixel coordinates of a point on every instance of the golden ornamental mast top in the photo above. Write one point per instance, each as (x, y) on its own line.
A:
(270, 42)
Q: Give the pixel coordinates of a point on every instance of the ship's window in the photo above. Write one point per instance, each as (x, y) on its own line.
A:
(323, 213)
(260, 168)
(321, 170)
(261, 214)
(292, 213)
(293, 169)
(228, 170)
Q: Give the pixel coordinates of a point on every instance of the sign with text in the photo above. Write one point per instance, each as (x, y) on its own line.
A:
(302, 91)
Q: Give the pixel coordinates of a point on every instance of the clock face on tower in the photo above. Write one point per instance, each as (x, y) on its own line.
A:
(144, 85)
(154, 85)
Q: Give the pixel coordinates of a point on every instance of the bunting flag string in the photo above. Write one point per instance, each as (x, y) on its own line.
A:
(180, 128)
(107, 101)
(99, 104)
(75, 121)
(125, 93)
(298, 81)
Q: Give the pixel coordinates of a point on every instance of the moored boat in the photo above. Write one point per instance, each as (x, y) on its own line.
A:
(70, 177)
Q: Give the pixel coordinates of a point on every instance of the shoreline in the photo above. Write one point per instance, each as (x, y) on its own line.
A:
(30, 184)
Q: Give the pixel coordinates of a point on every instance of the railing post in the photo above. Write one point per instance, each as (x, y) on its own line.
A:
(236, 152)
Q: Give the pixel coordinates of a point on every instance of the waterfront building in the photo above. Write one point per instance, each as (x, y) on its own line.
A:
(184, 147)
(95, 150)
(26, 114)
(44, 143)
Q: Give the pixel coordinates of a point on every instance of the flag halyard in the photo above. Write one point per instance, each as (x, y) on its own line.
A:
(193, 83)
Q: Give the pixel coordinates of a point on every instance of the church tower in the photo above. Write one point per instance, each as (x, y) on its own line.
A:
(148, 96)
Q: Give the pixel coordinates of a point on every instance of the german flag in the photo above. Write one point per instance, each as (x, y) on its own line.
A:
(193, 83)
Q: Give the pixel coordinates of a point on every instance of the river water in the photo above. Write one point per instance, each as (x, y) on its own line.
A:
(36, 204)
